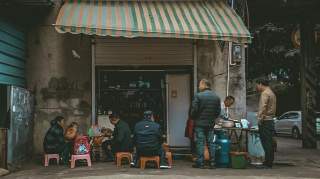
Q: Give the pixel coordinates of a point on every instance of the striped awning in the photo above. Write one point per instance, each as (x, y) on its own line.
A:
(212, 20)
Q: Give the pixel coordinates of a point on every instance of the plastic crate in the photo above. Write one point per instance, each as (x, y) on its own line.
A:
(239, 160)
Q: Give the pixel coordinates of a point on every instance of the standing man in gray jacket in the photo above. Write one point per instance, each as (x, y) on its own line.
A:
(204, 110)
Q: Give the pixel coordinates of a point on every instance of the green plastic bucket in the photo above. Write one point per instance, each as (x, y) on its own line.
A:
(239, 160)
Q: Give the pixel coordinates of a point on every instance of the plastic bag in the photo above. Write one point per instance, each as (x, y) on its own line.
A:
(255, 148)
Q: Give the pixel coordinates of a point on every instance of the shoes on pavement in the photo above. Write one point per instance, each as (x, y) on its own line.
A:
(198, 166)
(212, 166)
(165, 167)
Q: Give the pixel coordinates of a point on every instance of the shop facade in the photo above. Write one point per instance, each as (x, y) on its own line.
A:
(133, 56)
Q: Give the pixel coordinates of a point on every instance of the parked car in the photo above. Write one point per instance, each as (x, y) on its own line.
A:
(289, 124)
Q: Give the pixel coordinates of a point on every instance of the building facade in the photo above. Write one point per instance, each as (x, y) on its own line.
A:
(88, 71)
(16, 102)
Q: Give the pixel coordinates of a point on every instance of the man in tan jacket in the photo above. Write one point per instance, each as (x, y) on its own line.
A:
(266, 113)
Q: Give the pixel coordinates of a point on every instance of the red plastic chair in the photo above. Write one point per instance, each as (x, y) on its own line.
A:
(74, 158)
(48, 157)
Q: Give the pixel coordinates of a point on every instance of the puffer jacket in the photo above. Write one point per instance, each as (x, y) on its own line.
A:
(121, 141)
(205, 108)
(147, 135)
(54, 139)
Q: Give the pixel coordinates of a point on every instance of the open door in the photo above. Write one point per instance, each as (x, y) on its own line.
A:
(178, 98)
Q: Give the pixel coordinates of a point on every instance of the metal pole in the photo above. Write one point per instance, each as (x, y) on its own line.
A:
(229, 62)
(195, 67)
(228, 72)
(93, 82)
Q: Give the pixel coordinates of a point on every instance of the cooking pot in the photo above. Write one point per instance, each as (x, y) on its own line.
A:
(219, 121)
(227, 124)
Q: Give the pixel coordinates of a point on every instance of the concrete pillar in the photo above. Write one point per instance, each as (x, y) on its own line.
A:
(61, 83)
(212, 65)
(309, 85)
(237, 89)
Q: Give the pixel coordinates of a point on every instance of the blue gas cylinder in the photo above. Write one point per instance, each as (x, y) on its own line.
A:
(222, 150)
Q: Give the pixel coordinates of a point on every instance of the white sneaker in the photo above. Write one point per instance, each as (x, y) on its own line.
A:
(165, 167)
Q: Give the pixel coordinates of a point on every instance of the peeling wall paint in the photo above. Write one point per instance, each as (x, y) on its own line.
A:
(61, 83)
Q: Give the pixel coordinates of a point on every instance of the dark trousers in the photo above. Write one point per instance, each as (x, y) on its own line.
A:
(193, 147)
(147, 153)
(108, 152)
(203, 136)
(266, 130)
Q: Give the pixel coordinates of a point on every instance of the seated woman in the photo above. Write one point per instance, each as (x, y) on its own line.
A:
(54, 142)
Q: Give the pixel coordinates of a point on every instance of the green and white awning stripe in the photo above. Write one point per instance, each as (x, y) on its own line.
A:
(212, 20)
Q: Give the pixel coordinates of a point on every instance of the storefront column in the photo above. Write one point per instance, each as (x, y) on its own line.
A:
(309, 78)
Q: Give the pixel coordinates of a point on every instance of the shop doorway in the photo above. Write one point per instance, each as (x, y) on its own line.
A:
(166, 92)
(131, 92)
(3, 106)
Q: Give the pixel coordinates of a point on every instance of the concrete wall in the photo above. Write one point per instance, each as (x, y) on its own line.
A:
(60, 82)
(212, 65)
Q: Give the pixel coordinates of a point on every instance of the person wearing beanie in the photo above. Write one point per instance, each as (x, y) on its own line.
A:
(148, 139)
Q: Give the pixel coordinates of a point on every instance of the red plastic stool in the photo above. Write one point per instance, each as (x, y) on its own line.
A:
(74, 158)
(47, 158)
(123, 155)
(144, 160)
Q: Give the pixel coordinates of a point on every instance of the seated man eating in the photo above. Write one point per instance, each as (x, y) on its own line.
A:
(148, 139)
(121, 141)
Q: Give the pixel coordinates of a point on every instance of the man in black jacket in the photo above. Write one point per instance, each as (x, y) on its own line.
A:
(121, 141)
(148, 139)
(204, 110)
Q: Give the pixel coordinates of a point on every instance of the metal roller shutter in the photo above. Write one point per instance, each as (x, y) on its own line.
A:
(12, 55)
(143, 52)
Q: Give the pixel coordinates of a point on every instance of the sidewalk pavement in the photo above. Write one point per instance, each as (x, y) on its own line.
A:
(3, 172)
(305, 164)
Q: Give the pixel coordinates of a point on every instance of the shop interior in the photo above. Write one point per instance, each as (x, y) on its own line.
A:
(132, 91)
